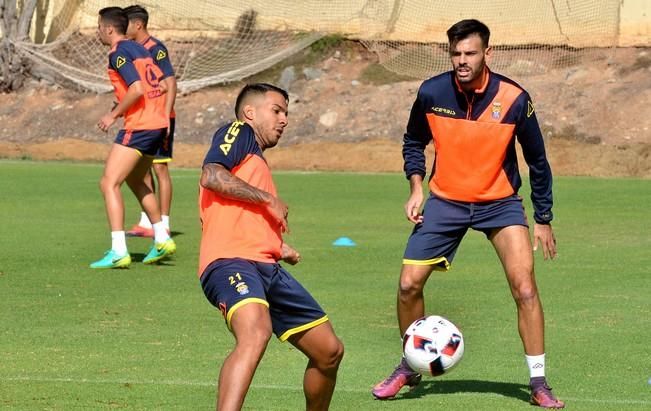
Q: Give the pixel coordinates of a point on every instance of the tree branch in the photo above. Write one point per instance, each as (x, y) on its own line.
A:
(25, 20)
(9, 19)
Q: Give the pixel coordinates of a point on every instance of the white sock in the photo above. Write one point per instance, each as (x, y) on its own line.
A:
(118, 242)
(536, 365)
(166, 221)
(160, 232)
(144, 220)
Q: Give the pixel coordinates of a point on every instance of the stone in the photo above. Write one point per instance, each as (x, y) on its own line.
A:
(328, 119)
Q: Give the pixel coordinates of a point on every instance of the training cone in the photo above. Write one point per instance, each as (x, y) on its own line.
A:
(344, 242)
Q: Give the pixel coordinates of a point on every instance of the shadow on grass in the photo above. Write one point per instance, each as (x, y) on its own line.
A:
(507, 389)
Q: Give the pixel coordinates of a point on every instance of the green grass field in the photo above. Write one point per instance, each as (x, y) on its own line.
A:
(146, 338)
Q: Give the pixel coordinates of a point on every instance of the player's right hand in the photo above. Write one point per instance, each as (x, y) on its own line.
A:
(105, 122)
(279, 211)
(412, 207)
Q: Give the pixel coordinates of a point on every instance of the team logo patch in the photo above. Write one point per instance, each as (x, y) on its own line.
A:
(242, 288)
(496, 110)
(119, 62)
(151, 76)
(530, 109)
(160, 55)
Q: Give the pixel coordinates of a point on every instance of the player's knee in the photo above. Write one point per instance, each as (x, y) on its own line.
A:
(333, 355)
(161, 169)
(525, 294)
(107, 184)
(337, 354)
(408, 288)
(254, 340)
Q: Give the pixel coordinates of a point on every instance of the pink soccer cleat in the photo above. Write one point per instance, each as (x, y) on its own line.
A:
(391, 386)
(541, 395)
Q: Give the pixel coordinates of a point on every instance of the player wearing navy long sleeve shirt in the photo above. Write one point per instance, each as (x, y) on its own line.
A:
(481, 167)
(474, 117)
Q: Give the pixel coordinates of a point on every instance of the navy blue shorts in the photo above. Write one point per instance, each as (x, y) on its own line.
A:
(445, 222)
(164, 153)
(145, 141)
(230, 283)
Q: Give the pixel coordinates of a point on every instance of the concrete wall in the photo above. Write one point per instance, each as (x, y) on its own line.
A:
(409, 20)
(635, 23)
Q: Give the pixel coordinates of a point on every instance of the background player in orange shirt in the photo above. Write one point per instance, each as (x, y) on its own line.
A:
(137, 31)
(241, 243)
(141, 101)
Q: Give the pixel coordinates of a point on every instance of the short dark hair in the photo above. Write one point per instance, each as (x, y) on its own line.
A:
(137, 12)
(115, 17)
(259, 89)
(465, 28)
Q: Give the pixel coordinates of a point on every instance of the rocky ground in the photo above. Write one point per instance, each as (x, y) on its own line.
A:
(596, 116)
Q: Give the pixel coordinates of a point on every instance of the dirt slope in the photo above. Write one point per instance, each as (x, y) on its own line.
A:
(595, 117)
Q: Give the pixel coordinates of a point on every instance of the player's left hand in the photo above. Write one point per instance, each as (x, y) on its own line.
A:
(105, 122)
(543, 234)
(289, 255)
(279, 211)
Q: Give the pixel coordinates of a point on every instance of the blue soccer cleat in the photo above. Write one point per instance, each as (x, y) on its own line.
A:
(112, 260)
(159, 251)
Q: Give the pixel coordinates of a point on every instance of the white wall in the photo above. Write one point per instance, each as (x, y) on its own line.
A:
(635, 23)
(419, 20)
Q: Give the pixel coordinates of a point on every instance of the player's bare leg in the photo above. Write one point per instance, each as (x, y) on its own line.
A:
(411, 304)
(120, 163)
(324, 352)
(149, 180)
(514, 249)
(164, 187)
(163, 245)
(142, 191)
(251, 326)
(410, 307)
(144, 227)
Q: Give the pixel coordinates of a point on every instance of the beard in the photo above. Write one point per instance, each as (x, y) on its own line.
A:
(467, 74)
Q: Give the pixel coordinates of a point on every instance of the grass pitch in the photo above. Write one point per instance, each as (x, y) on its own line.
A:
(146, 338)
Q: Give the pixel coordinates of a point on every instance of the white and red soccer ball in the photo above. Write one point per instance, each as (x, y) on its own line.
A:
(432, 345)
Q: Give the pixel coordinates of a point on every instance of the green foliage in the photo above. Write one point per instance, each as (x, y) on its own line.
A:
(316, 53)
(377, 75)
(146, 338)
(326, 44)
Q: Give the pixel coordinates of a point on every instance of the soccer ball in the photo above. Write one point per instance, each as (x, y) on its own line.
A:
(432, 345)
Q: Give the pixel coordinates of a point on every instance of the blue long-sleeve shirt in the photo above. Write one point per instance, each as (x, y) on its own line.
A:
(474, 137)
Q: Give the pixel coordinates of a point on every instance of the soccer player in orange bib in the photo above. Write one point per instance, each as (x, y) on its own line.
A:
(243, 220)
(137, 31)
(473, 116)
(141, 101)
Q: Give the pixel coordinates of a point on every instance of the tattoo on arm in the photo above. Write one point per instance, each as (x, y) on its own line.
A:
(217, 178)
